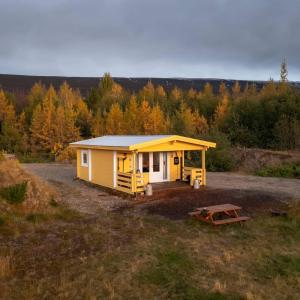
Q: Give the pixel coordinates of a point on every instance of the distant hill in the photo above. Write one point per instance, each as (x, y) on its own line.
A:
(22, 83)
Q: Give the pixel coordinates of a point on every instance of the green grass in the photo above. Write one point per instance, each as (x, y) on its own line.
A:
(172, 272)
(285, 171)
(2, 221)
(14, 194)
(118, 256)
(270, 267)
(39, 158)
(35, 218)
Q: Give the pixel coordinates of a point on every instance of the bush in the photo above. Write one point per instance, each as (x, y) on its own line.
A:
(14, 194)
(219, 158)
(53, 203)
(35, 218)
(66, 155)
(285, 170)
(35, 158)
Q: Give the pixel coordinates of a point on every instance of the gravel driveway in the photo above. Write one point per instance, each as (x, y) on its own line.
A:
(87, 199)
(281, 186)
(75, 193)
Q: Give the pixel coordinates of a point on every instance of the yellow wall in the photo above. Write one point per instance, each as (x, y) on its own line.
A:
(102, 167)
(124, 162)
(82, 172)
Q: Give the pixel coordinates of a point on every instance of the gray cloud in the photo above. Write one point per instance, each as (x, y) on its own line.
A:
(194, 38)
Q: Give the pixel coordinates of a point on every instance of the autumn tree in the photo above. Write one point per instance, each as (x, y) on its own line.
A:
(115, 120)
(156, 122)
(42, 125)
(132, 117)
(9, 134)
(221, 112)
(144, 112)
(148, 92)
(236, 91)
(35, 97)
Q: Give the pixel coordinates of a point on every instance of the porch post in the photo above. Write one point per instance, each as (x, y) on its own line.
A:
(133, 183)
(182, 175)
(203, 167)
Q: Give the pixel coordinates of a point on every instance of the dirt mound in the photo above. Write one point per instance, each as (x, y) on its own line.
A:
(38, 195)
(252, 160)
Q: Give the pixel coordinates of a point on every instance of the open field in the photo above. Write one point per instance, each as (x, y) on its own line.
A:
(98, 253)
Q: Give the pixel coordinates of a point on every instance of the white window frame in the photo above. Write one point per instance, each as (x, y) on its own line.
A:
(83, 164)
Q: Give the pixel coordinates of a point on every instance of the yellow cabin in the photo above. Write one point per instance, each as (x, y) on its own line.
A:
(128, 163)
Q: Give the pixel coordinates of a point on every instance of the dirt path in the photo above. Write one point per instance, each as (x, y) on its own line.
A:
(75, 193)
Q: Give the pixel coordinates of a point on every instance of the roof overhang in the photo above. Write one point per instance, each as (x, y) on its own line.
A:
(173, 138)
(155, 142)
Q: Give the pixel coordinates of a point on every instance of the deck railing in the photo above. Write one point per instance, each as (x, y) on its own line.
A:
(130, 183)
(190, 174)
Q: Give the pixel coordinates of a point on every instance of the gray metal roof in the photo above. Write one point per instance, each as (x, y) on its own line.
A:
(119, 140)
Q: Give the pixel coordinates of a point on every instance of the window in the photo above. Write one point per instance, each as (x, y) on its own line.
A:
(84, 158)
(156, 165)
(145, 162)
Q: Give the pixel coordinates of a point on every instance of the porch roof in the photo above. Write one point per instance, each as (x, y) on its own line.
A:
(136, 142)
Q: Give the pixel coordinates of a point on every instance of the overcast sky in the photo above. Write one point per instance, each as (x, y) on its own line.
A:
(238, 39)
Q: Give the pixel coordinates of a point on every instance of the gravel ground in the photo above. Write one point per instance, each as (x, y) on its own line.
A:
(75, 193)
(87, 199)
(281, 186)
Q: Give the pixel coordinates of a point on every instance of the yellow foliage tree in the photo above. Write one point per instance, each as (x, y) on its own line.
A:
(9, 134)
(132, 117)
(221, 112)
(115, 120)
(156, 122)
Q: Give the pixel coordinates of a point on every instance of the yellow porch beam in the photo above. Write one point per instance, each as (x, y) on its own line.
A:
(203, 167)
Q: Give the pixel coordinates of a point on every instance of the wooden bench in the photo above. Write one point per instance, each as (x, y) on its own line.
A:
(230, 220)
(229, 211)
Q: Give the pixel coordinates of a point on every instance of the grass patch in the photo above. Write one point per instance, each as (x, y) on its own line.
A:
(14, 194)
(278, 265)
(35, 218)
(2, 221)
(67, 215)
(285, 171)
(172, 272)
(39, 158)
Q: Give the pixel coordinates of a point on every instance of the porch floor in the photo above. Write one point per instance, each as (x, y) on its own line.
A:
(159, 186)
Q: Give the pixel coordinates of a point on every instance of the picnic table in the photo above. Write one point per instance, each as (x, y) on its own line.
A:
(219, 214)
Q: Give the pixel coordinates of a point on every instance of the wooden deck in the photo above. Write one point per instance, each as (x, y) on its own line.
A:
(159, 186)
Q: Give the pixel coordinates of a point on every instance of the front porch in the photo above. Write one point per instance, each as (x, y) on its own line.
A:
(136, 180)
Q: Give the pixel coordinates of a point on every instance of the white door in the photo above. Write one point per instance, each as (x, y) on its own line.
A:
(158, 166)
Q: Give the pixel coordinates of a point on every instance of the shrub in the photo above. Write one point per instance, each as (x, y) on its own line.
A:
(285, 170)
(34, 218)
(53, 203)
(2, 221)
(14, 194)
(219, 158)
(35, 158)
(66, 155)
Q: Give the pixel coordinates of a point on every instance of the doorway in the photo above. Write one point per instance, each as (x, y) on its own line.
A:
(158, 170)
